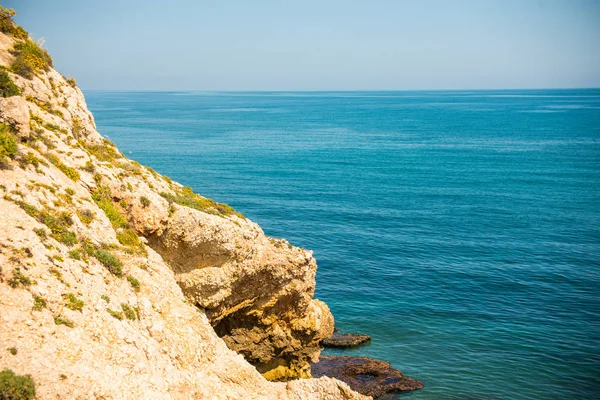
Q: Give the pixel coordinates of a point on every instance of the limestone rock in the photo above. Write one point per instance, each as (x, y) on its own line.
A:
(15, 112)
(110, 284)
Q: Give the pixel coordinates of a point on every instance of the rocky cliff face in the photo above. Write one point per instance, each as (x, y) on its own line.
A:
(117, 282)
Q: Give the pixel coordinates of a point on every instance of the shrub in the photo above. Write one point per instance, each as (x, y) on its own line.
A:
(64, 321)
(134, 283)
(75, 254)
(103, 152)
(8, 145)
(30, 158)
(38, 303)
(105, 298)
(128, 237)
(116, 314)
(68, 171)
(13, 351)
(7, 86)
(16, 387)
(19, 279)
(59, 224)
(89, 167)
(144, 201)
(71, 81)
(129, 312)
(41, 232)
(110, 261)
(86, 216)
(103, 199)
(51, 127)
(30, 58)
(187, 197)
(72, 302)
(8, 26)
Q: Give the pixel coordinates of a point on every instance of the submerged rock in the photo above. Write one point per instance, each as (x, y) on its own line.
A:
(346, 340)
(365, 375)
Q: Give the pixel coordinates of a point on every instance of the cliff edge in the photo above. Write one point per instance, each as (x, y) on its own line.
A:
(116, 282)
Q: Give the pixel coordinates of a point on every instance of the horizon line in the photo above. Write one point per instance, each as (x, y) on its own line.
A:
(332, 91)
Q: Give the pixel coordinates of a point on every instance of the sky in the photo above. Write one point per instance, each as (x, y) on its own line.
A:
(319, 45)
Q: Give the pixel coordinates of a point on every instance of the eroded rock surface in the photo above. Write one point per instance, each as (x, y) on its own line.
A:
(365, 375)
(113, 276)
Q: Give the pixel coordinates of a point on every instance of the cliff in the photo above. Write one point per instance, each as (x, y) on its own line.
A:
(117, 282)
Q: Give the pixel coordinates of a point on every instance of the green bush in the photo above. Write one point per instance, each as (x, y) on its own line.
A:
(13, 351)
(134, 283)
(129, 312)
(110, 261)
(8, 145)
(59, 226)
(75, 254)
(103, 199)
(29, 59)
(128, 237)
(103, 152)
(68, 171)
(38, 303)
(8, 26)
(7, 86)
(16, 387)
(187, 197)
(144, 201)
(19, 279)
(64, 321)
(41, 232)
(72, 302)
(86, 216)
(116, 314)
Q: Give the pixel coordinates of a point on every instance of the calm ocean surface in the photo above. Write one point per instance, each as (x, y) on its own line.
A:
(460, 229)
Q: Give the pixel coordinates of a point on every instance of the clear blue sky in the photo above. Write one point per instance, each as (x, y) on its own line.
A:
(319, 45)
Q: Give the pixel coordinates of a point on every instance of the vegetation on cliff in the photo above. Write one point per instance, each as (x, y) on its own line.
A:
(109, 268)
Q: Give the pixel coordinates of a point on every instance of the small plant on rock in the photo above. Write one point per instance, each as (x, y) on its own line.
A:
(19, 279)
(38, 303)
(134, 283)
(64, 321)
(8, 145)
(110, 261)
(72, 302)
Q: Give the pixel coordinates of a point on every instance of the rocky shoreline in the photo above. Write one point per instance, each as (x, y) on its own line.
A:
(364, 375)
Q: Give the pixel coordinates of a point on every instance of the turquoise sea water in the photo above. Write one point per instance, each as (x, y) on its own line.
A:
(460, 229)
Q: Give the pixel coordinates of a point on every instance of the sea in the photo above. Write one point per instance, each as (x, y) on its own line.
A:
(460, 229)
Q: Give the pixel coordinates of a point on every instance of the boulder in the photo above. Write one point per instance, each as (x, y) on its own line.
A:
(365, 375)
(345, 340)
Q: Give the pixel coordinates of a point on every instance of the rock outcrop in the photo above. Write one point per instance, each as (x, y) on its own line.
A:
(366, 375)
(345, 340)
(117, 282)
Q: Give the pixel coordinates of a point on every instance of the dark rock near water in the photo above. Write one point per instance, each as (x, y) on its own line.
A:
(365, 375)
(345, 340)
